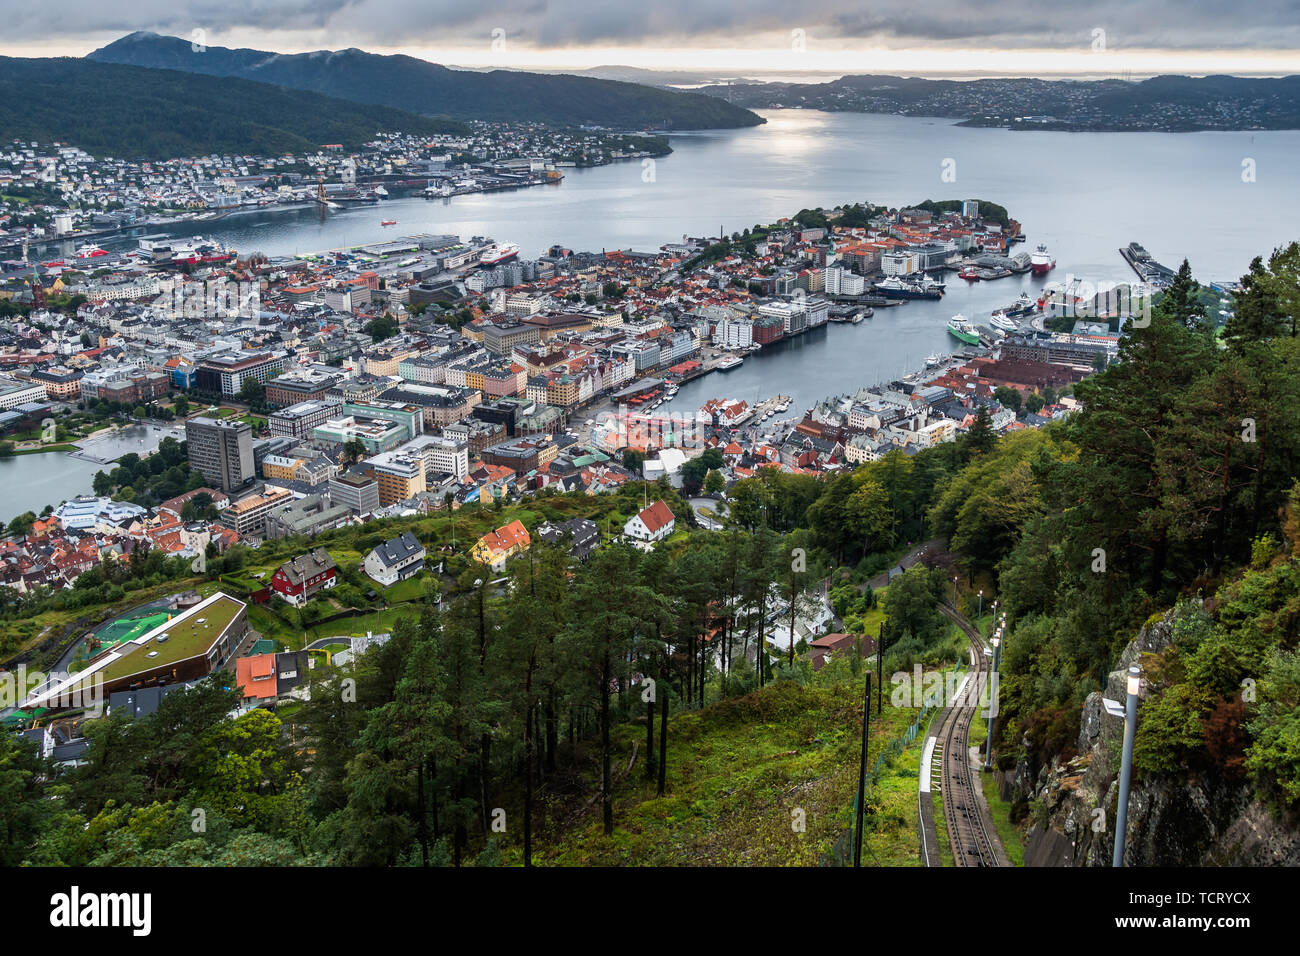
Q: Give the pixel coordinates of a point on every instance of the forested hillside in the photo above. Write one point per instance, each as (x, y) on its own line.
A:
(407, 83)
(136, 113)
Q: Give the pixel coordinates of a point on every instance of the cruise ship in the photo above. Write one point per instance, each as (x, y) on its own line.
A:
(495, 255)
(896, 288)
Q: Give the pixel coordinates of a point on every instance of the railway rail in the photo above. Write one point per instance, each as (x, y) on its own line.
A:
(970, 831)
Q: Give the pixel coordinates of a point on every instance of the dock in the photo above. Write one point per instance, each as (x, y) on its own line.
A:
(1147, 269)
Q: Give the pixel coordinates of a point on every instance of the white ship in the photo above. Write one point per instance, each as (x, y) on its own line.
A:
(498, 253)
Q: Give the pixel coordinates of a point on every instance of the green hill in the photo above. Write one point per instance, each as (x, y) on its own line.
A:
(133, 112)
(408, 83)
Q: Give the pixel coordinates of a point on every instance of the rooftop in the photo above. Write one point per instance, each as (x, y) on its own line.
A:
(185, 637)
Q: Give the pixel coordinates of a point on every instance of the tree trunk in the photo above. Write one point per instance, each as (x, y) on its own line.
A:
(552, 731)
(663, 734)
(606, 783)
(528, 782)
(424, 826)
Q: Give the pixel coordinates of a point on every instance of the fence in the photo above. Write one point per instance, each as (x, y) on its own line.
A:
(841, 852)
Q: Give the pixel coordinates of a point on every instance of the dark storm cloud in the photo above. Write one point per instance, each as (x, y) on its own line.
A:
(1172, 24)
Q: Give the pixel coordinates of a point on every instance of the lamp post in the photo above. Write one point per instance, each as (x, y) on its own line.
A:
(979, 614)
(993, 698)
(1126, 765)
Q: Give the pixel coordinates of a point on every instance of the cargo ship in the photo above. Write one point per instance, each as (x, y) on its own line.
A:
(959, 328)
(1041, 262)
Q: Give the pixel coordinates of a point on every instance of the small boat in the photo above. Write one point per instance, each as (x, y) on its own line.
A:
(388, 222)
(931, 361)
(970, 274)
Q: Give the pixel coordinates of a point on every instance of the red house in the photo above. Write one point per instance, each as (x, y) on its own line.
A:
(297, 580)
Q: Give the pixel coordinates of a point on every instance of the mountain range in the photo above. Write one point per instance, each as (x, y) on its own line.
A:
(407, 83)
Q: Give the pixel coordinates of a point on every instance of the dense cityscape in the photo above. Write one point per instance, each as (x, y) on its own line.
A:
(377, 496)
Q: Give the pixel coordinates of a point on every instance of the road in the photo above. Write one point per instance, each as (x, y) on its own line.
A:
(933, 546)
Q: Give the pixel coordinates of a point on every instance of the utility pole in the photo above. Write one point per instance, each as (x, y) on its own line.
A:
(880, 664)
(862, 773)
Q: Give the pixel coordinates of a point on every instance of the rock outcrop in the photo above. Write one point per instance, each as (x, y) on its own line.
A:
(1198, 822)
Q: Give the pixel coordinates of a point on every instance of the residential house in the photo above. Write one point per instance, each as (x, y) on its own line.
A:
(652, 524)
(395, 560)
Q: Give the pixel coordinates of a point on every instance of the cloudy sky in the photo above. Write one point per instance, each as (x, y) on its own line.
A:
(921, 36)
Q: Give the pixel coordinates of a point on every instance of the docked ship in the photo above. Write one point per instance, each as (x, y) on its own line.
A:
(999, 320)
(190, 252)
(499, 253)
(895, 288)
(959, 328)
(1041, 262)
(1025, 305)
(970, 274)
(730, 362)
(90, 252)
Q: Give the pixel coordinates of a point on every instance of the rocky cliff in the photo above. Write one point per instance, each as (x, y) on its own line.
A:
(1206, 821)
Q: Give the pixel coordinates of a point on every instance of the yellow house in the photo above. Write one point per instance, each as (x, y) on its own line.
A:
(496, 547)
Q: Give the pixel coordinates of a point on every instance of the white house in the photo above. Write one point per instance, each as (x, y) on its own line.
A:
(395, 560)
(652, 524)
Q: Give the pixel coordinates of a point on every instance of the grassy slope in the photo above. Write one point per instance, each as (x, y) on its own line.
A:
(736, 772)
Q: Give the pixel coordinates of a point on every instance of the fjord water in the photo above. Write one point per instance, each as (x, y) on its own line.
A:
(1083, 194)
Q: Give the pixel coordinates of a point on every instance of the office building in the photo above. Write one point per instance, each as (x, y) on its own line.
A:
(221, 451)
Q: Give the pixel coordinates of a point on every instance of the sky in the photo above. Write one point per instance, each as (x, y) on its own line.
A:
(1016, 37)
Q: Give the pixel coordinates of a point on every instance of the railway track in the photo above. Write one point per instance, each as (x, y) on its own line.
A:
(970, 832)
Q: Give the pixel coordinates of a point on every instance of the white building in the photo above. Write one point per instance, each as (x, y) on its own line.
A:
(652, 524)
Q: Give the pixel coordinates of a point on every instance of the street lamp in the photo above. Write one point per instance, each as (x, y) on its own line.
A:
(993, 698)
(1134, 685)
(979, 614)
